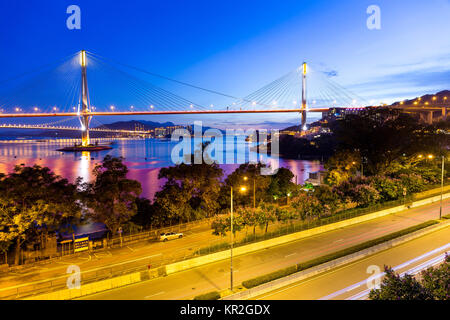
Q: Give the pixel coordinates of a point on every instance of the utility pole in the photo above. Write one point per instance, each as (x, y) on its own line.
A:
(442, 187)
(254, 193)
(231, 252)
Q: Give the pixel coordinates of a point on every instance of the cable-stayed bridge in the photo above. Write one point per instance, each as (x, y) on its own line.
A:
(60, 89)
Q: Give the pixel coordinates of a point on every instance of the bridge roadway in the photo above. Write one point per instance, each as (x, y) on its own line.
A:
(44, 127)
(137, 113)
(215, 276)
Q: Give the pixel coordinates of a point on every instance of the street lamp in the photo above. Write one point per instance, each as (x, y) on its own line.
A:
(254, 191)
(242, 189)
(442, 186)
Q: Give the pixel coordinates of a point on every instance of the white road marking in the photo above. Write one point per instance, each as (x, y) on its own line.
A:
(156, 294)
(290, 255)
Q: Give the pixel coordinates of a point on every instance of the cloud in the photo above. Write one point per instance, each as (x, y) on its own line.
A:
(330, 73)
(412, 81)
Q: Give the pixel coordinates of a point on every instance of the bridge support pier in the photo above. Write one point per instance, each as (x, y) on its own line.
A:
(444, 113)
(430, 117)
(85, 140)
(303, 109)
(85, 103)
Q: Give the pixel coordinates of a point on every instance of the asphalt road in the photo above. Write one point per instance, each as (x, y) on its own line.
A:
(352, 281)
(215, 276)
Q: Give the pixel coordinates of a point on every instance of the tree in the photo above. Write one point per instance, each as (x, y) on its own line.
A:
(222, 225)
(383, 137)
(365, 195)
(44, 202)
(341, 166)
(281, 184)
(145, 213)
(254, 178)
(433, 284)
(437, 280)
(395, 287)
(307, 205)
(328, 198)
(111, 198)
(249, 217)
(388, 188)
(198, 185)
(18, 223)
(265, 214)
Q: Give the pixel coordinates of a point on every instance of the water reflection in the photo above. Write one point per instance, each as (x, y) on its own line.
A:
(143, 157)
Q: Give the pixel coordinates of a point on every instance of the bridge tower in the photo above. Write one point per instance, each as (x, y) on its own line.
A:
(84, 104)
(303, 108)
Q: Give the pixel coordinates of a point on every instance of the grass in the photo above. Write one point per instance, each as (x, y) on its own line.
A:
(332, 256)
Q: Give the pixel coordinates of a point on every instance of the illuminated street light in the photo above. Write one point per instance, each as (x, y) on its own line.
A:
(242, 189)
(442, 186)
(430, 156)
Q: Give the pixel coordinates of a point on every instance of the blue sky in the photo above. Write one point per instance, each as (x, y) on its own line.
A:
(237, 47)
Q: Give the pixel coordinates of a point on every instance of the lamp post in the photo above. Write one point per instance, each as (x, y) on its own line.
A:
(254, 191)
(231, 252)
(442, 187)
(242, 189)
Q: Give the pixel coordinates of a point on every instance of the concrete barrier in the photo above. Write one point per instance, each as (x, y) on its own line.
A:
(214, 257)
(90, 288)
(296, 277)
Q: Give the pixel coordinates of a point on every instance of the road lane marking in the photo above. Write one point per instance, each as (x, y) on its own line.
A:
(156, 294)
(289, 255)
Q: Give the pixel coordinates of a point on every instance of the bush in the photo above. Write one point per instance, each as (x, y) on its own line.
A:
(269, 277)
(213, 295)
(314, 262)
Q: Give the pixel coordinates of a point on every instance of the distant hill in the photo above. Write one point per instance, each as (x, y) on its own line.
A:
(130, 125)
(428, 98)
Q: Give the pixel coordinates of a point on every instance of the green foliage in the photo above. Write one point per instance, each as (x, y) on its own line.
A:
(281, 183)
(341, 166)
(433, 284)
(251, 283)
(35, 202)
(213, 295)
(111, 198)
(365, 195)
(436, 280)
(190, 192)
(386, 139)
(394, 287)
(328, 199)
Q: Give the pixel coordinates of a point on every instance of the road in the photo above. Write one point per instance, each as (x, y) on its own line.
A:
(351, 281)
(215, 276)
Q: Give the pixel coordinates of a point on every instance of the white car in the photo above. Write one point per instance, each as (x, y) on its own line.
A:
(169, 236)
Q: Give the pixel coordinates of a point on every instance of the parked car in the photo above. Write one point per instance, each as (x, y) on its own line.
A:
(170, 236)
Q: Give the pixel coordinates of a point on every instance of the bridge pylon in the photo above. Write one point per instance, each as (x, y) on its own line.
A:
(303, 107)
(84, 104)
